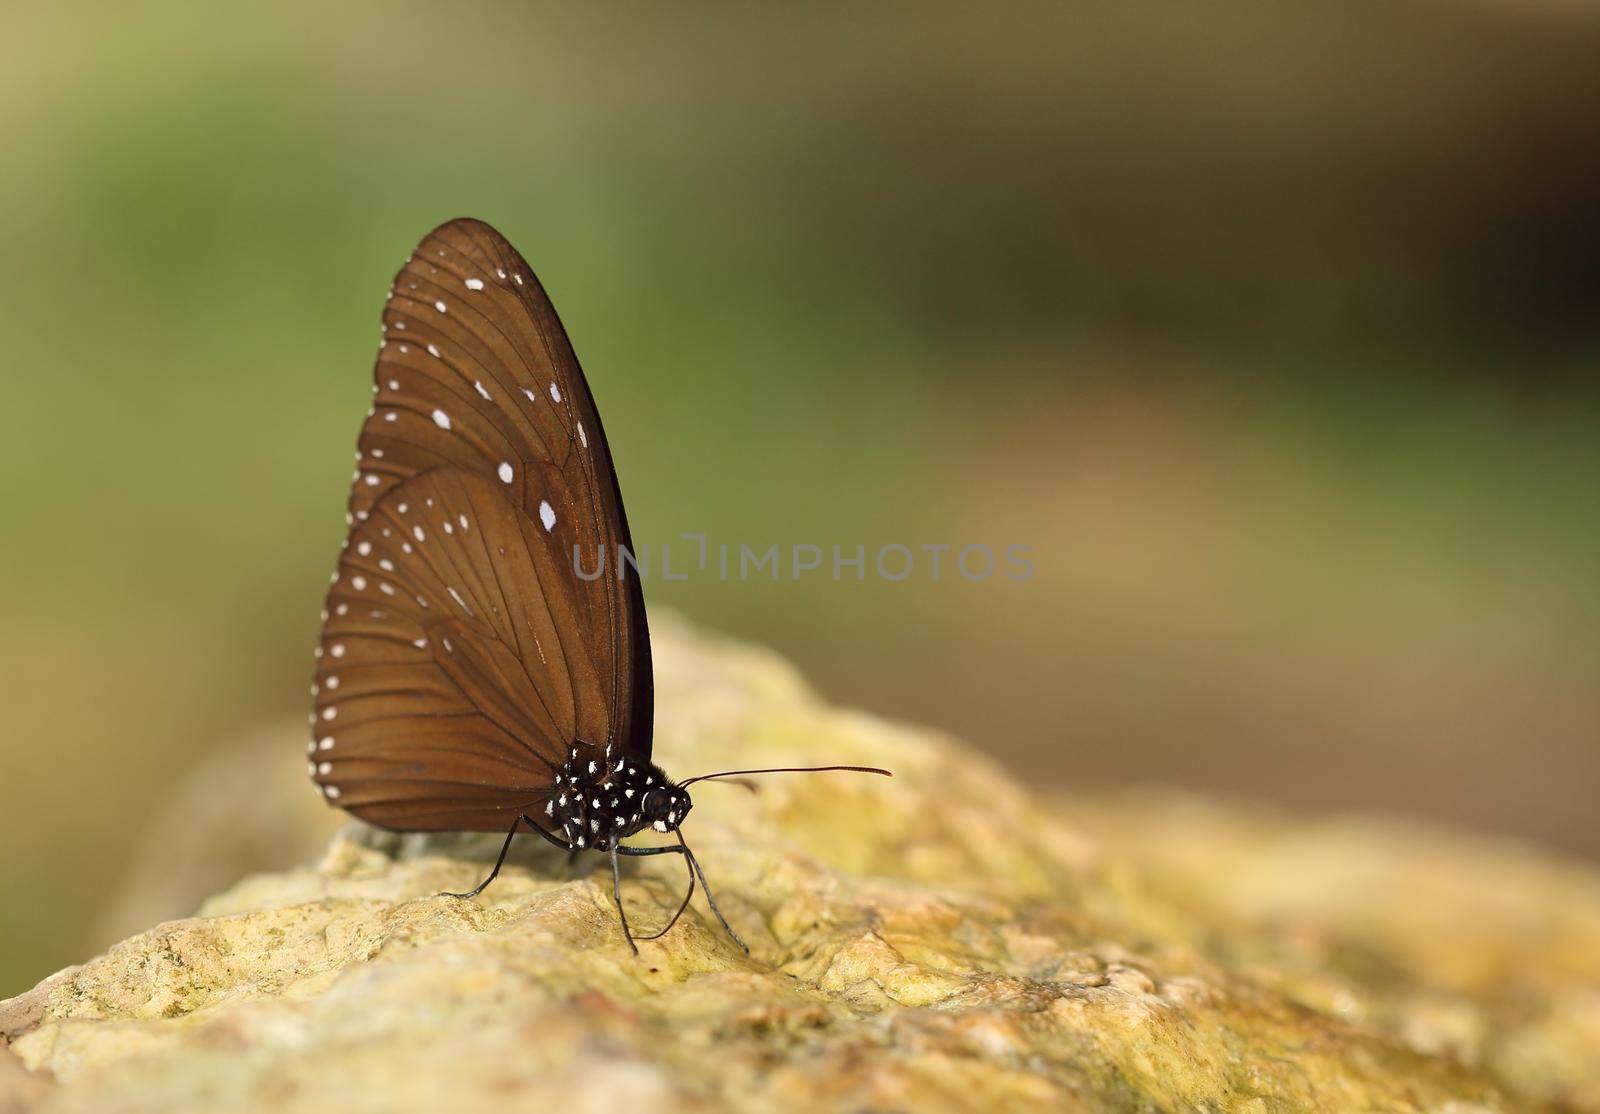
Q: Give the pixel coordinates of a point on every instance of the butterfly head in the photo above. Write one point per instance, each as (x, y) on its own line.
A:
(665, 806)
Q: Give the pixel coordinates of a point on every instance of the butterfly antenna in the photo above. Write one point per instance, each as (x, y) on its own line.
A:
(742, 783)
(783, 770)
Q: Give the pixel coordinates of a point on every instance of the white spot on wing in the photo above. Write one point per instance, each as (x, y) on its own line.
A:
(547, 515)
(555, 392)
(582, 436)
(474, 284)
(441, 419)
(478, 386)
(439, 306)
(506, 473)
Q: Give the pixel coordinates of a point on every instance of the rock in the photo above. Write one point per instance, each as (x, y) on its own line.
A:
(1483, 950)
(943, 941)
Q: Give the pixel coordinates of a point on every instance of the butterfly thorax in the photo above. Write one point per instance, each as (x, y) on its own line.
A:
(598, 801)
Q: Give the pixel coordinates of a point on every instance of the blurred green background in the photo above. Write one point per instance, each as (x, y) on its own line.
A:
(1273, 331)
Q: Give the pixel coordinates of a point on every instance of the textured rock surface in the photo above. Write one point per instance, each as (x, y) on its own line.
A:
(942, 941)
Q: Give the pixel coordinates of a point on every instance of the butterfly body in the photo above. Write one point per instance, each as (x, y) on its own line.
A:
(600, 802)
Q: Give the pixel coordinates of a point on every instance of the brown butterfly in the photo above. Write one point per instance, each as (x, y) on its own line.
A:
(468, 678)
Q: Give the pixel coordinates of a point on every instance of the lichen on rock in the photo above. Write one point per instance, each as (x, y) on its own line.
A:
(943, 941)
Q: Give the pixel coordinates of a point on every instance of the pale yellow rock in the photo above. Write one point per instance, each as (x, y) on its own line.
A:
(942, 941)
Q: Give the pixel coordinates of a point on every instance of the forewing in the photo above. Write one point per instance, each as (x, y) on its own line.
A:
(475, 373)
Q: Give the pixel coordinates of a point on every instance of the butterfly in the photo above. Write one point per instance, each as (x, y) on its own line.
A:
(468, 678)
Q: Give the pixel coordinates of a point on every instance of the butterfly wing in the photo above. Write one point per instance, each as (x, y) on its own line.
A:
(472, 658)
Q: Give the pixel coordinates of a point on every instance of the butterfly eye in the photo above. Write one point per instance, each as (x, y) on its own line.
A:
(656, 804)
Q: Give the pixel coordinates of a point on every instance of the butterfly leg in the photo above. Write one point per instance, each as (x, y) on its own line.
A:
(498, 863)
(616, 893)
(682, 905)
(555, 841)
(669, 849)
(694, 865)
(571, 849)
(681, 848)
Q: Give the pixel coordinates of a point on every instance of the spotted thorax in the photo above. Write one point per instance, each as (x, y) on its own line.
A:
(600, 802)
